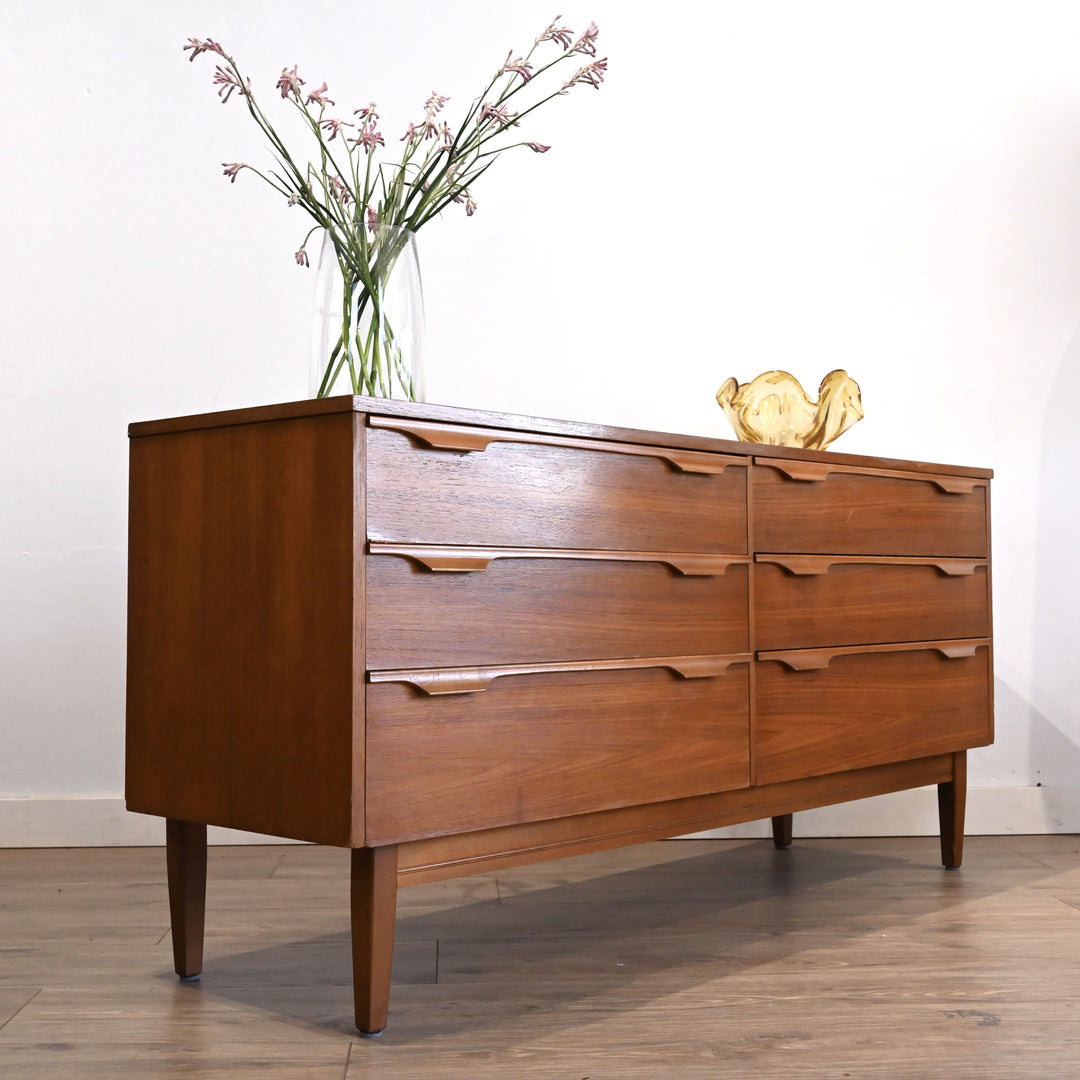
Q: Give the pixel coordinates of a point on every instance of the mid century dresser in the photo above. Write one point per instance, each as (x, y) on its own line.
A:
(453, 641)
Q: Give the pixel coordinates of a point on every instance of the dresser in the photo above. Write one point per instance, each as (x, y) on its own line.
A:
(454, 641)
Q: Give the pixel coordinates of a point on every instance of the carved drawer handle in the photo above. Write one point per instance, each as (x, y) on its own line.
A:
(818, 565)
(819, 659)
(476, 440)
(471, 680)
(448, 559)
(811, 472)
(817, 472)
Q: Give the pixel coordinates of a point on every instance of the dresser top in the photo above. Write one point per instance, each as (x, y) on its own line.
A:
(504, 421)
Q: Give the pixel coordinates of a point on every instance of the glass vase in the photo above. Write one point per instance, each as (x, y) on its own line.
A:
(368, 330)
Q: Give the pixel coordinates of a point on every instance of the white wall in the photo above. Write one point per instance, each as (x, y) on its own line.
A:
(890, 187)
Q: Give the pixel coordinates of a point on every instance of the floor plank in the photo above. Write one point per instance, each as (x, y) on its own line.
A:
(836, 958)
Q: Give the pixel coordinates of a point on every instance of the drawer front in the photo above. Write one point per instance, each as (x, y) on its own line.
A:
(804, 602)
(532, 610)
(539, 746)
(564, 494)
(838, 511)
(869, 708)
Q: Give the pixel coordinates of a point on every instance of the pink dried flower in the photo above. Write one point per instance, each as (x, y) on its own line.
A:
(341, 192)
(372, 219)
(196, 46)
(369, 138)
(290, 82)
(367, 113)
(410, 134)
(501, 114)
(538, 148)
(587, 42)
(562, 34)
(319, 96)
(232, 169)
(592, 75)
(228, 82)
(334, 127)
(301, 257)
(470, 207)
(516, 67)
(435, 102)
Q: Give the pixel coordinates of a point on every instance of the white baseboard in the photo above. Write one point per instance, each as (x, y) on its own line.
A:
(991, 811)
(77, 822)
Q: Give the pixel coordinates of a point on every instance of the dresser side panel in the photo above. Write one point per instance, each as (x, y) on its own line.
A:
(240, 629)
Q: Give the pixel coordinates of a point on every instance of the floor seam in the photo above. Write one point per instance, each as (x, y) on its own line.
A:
(21, 1007)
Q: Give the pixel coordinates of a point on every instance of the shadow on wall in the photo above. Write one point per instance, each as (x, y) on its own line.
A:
(1054, 709)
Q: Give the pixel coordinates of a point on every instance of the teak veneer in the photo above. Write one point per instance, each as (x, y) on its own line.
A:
(454, 640)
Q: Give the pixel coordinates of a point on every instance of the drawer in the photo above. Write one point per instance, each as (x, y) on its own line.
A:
(819, 508)
(806, 601)
(436, 483)
(820, 711)
(513, 605)
(541, 744)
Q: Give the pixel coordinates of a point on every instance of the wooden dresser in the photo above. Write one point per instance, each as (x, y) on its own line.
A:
(454, 641)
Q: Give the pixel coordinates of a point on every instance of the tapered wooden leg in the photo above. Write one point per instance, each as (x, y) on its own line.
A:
(185, 860)
(952, 798)
(781, 830)
(374, 908)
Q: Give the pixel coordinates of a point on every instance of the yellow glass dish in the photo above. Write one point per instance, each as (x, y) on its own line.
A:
(773, 408)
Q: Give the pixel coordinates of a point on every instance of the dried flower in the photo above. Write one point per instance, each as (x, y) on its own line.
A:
(587, 42)
(502, 116)
(516, 67)
(591, 75)
(290, 82)
(369, 138)
(334, 127)
(196, 46)
(562, 34)
(318, 97)
(228, 81)
(349, 193)
(340, 191)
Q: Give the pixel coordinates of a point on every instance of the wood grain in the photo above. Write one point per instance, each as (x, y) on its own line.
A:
(867, 603)
(869, 708)
(240, 627)
(866, 513)
(660, 960)
(527, 611)
(520, 751)
(548, 496)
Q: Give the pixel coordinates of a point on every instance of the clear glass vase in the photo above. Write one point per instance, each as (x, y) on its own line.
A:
(368, 330)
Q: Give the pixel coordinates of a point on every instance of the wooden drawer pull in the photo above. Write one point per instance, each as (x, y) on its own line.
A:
(811, 472)
(435, 681)
(817, 472)
(816, 565)
(476, 440)
(475, 559)
(818, 659)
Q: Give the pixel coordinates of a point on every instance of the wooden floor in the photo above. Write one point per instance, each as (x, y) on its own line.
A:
(837, 958)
